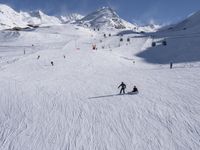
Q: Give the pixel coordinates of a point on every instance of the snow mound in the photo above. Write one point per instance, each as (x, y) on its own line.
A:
(105, 18)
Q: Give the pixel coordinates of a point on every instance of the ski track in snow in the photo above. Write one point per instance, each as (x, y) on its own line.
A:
(73, 105)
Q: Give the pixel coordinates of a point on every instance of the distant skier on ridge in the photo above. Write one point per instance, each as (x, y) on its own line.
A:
(123, 87)
(171, 65)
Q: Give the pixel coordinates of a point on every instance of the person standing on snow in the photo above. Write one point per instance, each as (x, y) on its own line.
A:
(171, 65)
(123, 87)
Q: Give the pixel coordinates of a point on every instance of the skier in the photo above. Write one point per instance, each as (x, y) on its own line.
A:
(52, 63)
(135, 90)
(123, 87)
(94, 47)
(171, 65)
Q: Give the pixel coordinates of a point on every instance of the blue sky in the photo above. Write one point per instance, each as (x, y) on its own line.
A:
(140, 11)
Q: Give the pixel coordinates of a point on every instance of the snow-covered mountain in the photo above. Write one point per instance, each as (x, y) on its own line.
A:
(105, 18)
(102, 18)
(39, 18)
(149, 28)
(9, 18)
(71, 18)
(192, 22)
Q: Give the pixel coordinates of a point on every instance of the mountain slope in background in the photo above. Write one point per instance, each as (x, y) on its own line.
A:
(149, 28)
(9, 18)
(71, 18)
(192, 22)
(105, 18)
(40, 18)
(181, 43)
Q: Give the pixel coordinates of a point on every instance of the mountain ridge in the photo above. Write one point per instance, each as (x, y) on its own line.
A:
(105, 17)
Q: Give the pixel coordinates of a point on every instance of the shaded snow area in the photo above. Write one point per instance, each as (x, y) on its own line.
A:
(74, 105)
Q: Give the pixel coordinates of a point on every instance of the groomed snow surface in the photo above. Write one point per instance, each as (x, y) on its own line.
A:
(74, 105)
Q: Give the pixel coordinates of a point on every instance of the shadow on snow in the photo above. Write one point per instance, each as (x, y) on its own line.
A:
(114, 95)
(105, 96)
(183, 50)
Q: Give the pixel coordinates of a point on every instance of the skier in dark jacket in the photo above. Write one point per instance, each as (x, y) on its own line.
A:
(171, 65)
(123, 87)
(135, 90)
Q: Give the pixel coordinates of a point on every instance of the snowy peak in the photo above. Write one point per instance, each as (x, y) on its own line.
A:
(5, 8)
(38, 17)
(9, 18)
(149, 28)
(192, 22)
(104, 18)
(38, 14)
(71, 18)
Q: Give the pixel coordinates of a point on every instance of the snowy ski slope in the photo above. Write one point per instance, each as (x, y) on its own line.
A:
(74, 105)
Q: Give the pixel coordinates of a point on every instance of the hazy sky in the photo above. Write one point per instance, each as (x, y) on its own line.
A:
(141, 11)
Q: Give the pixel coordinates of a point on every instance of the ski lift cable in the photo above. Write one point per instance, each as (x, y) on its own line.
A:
(183, 35)
(171, 37)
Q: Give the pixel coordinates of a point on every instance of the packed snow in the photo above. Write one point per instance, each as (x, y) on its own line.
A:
(74, 104)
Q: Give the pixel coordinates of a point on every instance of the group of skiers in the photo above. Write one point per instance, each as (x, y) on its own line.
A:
(135, 90)
(52, 63)
(123, 87)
